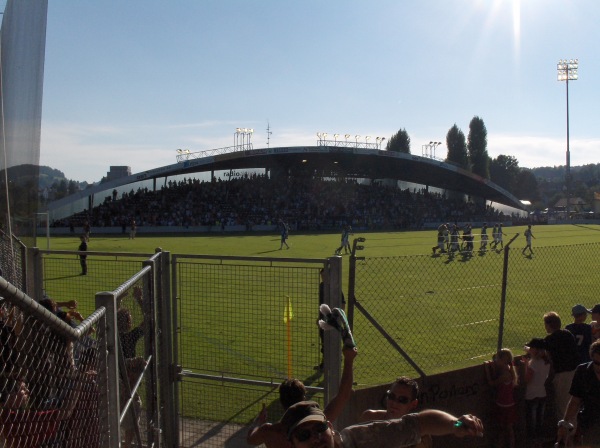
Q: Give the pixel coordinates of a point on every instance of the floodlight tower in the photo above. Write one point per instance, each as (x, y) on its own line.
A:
(567, 71)
(433, 146)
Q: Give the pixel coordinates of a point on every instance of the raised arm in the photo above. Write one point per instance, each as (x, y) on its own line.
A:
(337, 403)
(439, 423)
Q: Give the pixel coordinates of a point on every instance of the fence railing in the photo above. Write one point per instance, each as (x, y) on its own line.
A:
(426, 314)
(219, 330)
(65, 383)
(48, 388)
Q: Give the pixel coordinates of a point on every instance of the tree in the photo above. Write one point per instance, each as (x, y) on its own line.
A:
(477, 146)
(457, 147)
(526, 185)
(399, 142)
(504, 171)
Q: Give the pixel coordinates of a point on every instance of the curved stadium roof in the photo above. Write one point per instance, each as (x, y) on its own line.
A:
(354, 162)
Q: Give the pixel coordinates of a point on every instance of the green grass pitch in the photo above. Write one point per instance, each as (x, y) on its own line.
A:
(419, 301)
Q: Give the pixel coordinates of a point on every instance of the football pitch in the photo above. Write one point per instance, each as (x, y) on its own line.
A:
(414, 295)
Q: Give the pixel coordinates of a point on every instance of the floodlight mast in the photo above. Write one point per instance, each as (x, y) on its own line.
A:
(568, 71)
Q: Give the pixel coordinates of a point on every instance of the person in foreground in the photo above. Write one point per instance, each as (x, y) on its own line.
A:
(306, 426)
(583, 410)
(293, 391)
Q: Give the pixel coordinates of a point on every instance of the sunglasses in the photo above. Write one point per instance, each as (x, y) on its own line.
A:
(304, 434)
(398, 399)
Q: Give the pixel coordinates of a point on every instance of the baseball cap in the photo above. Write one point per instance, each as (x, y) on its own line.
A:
(302, 412)
(596, 308)
(536, 343)
(579, 309)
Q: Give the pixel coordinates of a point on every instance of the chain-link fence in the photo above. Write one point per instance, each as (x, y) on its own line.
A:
(244, 325)
(420, 315)
(12, 260)
(55, 387)
(48, 388)
(59, 274)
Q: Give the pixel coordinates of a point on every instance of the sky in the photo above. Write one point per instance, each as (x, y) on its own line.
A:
(129, 82)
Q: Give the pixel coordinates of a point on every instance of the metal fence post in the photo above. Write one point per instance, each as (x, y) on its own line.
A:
(352, 279)
(108, 378)
(34, 279)
(503, 296)
(168, 349)
(151, 337)
(331, 344)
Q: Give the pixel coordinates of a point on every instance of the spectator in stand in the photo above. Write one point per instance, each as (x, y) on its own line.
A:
(83, 428)
(537, 369)
(562, 349)
(129, 336)
(583, 409)
(23, 424)
(135, 367)
(291, 392)
(582, 332)
(401, 399)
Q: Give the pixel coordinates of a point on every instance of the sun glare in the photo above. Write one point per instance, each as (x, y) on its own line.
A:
(516, 12)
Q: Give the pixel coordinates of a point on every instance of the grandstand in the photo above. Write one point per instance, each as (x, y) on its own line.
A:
(300, 167)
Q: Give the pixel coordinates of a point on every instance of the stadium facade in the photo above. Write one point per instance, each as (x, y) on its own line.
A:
(321, 161)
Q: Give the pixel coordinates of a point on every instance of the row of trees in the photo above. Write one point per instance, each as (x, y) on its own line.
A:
(470, 152)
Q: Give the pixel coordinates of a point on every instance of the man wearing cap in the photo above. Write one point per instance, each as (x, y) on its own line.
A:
(293, 391)
(584, 406)
(582, 332)
(562, 348)
(304, 422)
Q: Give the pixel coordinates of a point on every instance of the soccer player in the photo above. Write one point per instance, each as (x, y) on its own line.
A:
(528, 236)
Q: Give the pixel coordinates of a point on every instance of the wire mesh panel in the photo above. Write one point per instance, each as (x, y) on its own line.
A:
(12, 260)
(244, 326)
(62, 275)
(552, 279)
(48, 388)
(442, 311)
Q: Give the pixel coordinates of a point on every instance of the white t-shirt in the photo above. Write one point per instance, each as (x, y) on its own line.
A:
(536, 387)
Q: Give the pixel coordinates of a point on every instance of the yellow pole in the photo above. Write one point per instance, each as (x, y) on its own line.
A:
(287, 318)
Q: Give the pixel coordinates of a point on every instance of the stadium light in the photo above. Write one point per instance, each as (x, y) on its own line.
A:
(335, 137)
(356, 137)
(567, 71)
(346, 136)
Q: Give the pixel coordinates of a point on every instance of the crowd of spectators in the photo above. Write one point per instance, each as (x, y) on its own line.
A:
(304, 203)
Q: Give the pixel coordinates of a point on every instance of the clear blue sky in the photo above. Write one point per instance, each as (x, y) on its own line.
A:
(128, 82)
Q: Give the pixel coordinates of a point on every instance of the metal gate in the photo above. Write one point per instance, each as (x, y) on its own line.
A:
(242, 325)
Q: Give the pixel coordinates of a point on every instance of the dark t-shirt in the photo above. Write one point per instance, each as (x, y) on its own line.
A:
(563, 352)
(583, 338)
(586, 386)
(129, 341)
